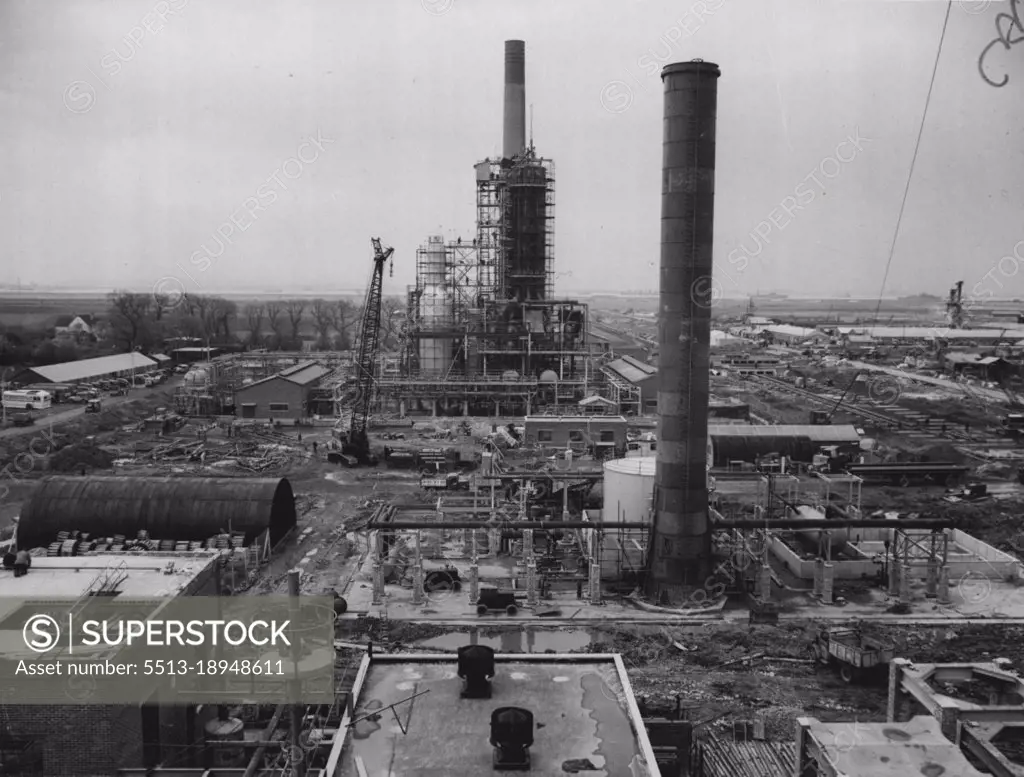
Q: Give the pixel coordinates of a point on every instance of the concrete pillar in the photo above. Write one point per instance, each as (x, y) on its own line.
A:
(417, 584)
(932, 581)
(594, 589)
(896, 693)
(942, 587)
(465, 407)
(764, 583)
(433, 408)
(494, 538)
(378, 583)
(894, 578)
(905, 584)
(531, 582)
(803, 760)
(819, 576)
(948, 719)
(474, 583)
(401, 408)
(497, 409)
(827, 582)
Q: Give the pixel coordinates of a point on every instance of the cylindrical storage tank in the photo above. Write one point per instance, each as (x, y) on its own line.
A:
(628, 496)
(222, 756)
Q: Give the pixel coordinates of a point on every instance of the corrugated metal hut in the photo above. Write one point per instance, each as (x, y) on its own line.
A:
(167, 508)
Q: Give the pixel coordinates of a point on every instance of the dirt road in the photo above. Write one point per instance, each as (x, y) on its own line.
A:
(76, 411)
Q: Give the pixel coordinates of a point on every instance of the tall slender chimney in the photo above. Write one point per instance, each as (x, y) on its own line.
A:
(680, 555)
(514, 137)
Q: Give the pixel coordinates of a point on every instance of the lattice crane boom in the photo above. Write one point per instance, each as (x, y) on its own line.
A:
(366, 358)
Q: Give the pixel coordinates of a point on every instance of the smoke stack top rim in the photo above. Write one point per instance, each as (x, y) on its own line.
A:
(695, 66)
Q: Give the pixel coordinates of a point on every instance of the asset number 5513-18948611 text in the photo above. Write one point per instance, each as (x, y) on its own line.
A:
(212, 667)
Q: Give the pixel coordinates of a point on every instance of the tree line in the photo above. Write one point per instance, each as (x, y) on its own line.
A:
(145, 321)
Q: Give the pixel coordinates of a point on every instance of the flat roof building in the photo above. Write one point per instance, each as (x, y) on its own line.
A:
(582, 707)
(77, 740)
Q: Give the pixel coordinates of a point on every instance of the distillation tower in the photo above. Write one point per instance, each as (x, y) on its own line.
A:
(484, 333)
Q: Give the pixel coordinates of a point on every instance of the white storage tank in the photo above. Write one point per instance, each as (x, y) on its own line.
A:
(628, 497)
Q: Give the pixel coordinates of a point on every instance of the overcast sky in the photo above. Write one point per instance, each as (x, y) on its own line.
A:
(132, 131)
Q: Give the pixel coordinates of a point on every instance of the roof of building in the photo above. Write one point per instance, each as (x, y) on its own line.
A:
(943, 332)
(898, 749)
(66, 320)
(583, 710)
(815, 433)
(576, 420)
(70, 576)
(596, 400)
(167, 508)
(305, 373)
(793, 331)
(69, 372)
(160, 357)
(632, 370)
(754, 320)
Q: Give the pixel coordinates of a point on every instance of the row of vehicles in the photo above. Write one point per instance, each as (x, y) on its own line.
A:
(44, 395)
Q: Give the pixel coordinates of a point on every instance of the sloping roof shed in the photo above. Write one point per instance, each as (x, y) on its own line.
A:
(69, 372)
(167, 508)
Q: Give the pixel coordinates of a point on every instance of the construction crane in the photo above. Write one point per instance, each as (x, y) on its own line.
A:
(358, 443)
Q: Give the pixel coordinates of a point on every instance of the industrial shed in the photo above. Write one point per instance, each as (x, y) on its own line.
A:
(736, 442)
(115, 366)
(167, 508)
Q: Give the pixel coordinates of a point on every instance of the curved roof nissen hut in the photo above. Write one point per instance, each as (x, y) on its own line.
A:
(167, 508)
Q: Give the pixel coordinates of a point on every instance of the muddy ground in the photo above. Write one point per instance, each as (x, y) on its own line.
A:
(705, 668)
(336, 503)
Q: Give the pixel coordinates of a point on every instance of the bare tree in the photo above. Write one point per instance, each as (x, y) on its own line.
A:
(275, 321)
(295, 308)
(254, 315)
(323, 319)
(130, 319)
(392, 313)
(222, 311)
(343, 315)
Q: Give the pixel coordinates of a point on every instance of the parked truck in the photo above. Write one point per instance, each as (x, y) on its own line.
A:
(444, 481)
(856, 655)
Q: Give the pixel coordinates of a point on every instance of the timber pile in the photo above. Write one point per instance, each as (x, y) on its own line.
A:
(247, 455)
(722, 758)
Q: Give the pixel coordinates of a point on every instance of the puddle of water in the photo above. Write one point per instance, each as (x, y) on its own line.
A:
(515, 641)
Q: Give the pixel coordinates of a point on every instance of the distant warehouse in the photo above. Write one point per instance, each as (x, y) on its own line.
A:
(101, 368)
(735, 442)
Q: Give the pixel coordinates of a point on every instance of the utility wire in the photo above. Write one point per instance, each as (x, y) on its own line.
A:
(913, 161)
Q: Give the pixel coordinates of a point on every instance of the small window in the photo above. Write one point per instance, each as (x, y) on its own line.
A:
(544, 435)
(607, 435)
(278, 407)
(575, 435)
